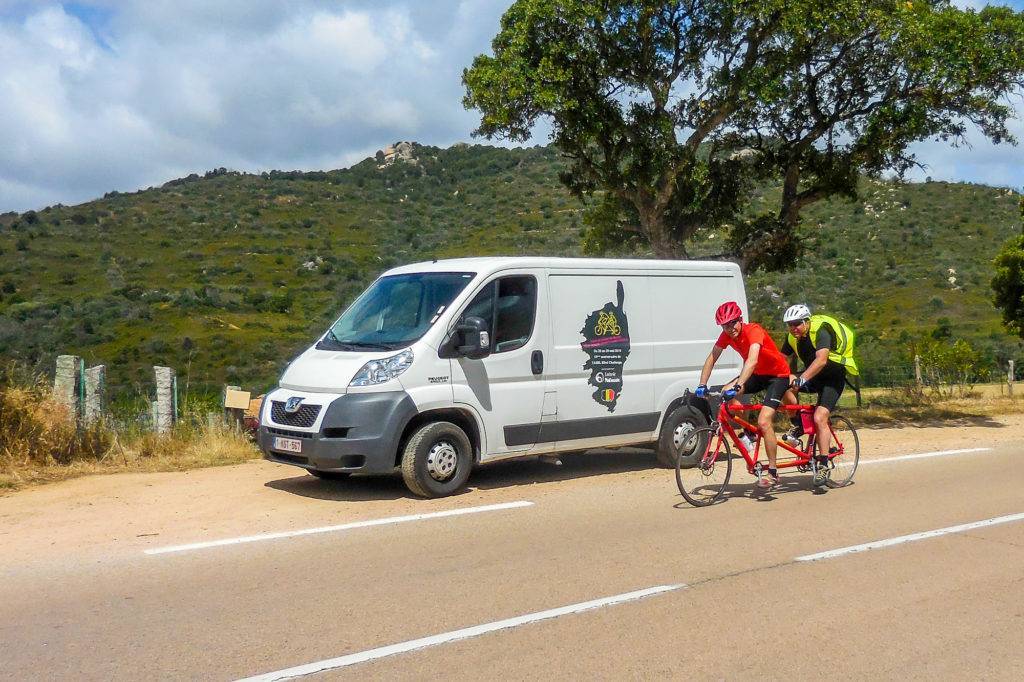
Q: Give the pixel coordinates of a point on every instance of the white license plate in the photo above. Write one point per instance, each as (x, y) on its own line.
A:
(287, 444)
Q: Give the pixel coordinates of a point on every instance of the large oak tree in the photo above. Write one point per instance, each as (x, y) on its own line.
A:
(671, 112)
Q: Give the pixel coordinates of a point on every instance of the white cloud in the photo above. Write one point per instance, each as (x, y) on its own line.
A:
(128, 95)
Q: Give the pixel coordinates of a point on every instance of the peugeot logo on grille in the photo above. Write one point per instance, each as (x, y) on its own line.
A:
(291, 406)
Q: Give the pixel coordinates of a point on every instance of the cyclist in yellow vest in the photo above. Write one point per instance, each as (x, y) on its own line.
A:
(825, 345)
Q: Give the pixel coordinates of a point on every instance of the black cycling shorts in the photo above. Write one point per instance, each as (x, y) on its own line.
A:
(829, 388)
(773, 388)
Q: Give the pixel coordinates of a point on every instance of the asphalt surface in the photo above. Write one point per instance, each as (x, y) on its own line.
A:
(942, 607)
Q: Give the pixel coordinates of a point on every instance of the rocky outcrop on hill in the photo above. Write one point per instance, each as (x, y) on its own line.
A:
(399, 151)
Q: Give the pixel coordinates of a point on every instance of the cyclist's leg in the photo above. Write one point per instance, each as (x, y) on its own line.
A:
(828, 397)
(774, 391)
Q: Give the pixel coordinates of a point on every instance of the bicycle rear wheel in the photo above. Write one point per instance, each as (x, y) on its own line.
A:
(844, 465)
(702, 483)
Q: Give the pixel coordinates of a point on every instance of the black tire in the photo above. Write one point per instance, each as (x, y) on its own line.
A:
(844, 466)
(679, 423)
(702, 485)
(329, 475)
(436, 460)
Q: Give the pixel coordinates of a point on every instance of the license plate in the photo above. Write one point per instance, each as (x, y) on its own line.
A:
(287, 444)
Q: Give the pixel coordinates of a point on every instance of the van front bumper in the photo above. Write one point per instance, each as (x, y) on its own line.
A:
(359, 433)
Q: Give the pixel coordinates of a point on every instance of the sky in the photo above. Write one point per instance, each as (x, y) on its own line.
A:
(101, 95)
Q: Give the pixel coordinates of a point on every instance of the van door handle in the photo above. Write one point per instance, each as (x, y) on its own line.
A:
(537, 362)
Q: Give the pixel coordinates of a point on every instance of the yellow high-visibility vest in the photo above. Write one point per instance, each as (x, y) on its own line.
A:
(843, 354)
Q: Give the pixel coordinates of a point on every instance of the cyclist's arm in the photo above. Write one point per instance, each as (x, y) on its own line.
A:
(709, 364)
(748, 366)
(820, 359)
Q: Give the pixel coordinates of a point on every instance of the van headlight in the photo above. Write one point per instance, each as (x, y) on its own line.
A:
(385, 369)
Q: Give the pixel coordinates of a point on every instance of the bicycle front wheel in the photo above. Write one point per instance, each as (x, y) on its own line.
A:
(844, 465)
(703, 482)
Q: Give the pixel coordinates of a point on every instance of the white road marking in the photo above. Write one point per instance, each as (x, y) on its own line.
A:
(334, 529)
(456, 635)
(921, 455)
(878, 544)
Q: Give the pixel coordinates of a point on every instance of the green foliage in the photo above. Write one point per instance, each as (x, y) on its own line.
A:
(950, 367)
(1008, 283)
(677, 110)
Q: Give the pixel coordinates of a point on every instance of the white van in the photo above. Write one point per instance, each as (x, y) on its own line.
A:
(440, 366)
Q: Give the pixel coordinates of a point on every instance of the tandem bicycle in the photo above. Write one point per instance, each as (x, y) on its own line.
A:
(704, 459)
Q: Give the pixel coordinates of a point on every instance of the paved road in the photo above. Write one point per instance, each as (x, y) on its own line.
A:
(951, 605)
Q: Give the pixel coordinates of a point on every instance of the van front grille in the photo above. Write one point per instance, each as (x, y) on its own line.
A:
(304, 417)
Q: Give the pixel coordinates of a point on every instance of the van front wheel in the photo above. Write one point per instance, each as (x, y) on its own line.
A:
(436, 460)
(678, 425)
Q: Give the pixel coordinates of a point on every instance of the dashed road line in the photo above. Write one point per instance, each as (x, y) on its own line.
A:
(921, 455)
(456, 635)
(879, 544)
(334, 529)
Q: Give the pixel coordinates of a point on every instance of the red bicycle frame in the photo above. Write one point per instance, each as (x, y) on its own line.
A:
(728, 413)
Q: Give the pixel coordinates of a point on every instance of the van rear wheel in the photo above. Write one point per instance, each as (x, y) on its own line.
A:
(437, 460)
(678, 425)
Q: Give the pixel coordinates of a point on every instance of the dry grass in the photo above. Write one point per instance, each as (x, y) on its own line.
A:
(40, 442)
(909, 408)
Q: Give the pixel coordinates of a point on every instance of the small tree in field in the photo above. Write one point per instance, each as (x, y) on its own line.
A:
(1008, 283)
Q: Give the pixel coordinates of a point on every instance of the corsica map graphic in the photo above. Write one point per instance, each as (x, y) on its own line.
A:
(606, 342)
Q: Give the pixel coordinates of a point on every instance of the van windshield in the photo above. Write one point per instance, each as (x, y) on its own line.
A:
(395, 311)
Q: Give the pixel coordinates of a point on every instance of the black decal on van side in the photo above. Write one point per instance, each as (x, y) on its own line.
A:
(606, 342)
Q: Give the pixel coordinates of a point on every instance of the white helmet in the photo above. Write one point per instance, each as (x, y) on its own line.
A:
(796, 313)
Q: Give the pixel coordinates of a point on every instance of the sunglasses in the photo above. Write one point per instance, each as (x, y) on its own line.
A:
(729, 325)
(794, 325)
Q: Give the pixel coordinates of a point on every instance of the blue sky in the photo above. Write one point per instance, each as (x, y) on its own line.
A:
(101, 95)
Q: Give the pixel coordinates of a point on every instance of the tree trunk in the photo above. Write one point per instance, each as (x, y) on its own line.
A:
(789, 211)
(653, 226)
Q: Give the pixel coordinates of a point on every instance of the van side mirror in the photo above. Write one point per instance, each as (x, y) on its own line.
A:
(475, 337)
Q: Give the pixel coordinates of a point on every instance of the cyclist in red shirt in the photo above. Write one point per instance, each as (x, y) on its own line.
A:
(764, 369)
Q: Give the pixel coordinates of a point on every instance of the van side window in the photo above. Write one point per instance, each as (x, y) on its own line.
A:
(510, 316)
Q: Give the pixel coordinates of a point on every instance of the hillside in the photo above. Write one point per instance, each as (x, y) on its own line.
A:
(228, 275)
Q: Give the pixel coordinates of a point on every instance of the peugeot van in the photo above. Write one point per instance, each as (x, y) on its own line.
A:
(439, 367)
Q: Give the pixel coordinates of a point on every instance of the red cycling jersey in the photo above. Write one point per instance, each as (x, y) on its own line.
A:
(770, 361)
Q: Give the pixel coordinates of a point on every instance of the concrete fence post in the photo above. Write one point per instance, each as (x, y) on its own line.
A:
(65, 382)
(164, 399)
(1009, 379)
(917, 369)
(95, 390)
